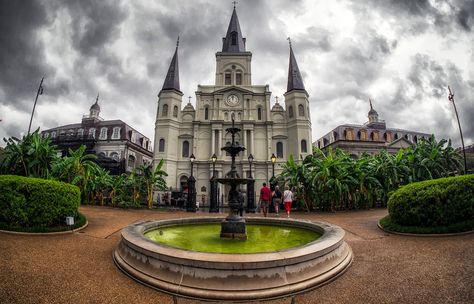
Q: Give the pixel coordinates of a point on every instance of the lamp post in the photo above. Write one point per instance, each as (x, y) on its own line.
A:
(250, 188)
(451, 98)
(274, 159)
(191, 202)
(213, 207)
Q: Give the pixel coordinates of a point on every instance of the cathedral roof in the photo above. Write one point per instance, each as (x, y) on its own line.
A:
(295, 81)
(233, 41)
(172, 77)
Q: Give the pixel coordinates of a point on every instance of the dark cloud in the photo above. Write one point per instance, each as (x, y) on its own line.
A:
(21, 53)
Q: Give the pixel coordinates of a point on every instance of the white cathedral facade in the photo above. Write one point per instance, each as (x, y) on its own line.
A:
(182, 132)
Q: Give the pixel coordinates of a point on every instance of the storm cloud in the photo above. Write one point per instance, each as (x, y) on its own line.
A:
(401, 54)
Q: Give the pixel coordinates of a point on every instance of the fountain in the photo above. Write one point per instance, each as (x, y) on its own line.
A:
(233, 226)
(190, 258)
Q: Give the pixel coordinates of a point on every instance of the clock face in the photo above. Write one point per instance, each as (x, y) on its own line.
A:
(232, 100)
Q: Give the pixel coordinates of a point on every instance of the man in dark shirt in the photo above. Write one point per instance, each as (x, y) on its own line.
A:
(265, 197)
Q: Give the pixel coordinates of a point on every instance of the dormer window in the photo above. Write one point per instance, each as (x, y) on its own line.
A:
(103, 133)
(233, 37)
(116, 133)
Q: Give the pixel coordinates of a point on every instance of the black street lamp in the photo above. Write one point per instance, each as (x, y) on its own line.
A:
(214, 160)
(250, 158)
(213, 207)
(250, 188)
(191, 202)
(274, 159)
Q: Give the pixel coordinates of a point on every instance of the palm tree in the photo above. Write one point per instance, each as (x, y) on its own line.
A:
(77, 168)
(30, 156)
(153, 179)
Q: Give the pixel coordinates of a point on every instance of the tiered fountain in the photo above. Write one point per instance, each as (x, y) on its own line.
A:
(256, 258)
(233, 226)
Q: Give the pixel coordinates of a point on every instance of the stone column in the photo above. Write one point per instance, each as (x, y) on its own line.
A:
(213, 141)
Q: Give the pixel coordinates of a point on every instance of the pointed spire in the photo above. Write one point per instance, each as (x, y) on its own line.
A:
(295, 81)
(370, 102)
(373, 115)
(172, 77)
(233, 41)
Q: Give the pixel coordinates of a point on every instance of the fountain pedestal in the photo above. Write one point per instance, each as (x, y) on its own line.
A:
(234, 229)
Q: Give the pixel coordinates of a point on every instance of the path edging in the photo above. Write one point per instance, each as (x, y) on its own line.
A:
(423, 234)
(46, 233)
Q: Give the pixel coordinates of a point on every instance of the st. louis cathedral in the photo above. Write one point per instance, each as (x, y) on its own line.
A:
(182, 132)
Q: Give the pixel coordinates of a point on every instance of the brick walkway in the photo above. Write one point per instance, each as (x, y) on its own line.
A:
(78, 268)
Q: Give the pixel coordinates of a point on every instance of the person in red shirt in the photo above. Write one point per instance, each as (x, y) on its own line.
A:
(265, 197)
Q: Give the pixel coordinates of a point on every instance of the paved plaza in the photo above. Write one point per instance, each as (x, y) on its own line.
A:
(78, 267)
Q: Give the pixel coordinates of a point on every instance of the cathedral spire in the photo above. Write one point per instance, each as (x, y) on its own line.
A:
(295, 81)
(172, 77)
(233, 41)
(373, 115)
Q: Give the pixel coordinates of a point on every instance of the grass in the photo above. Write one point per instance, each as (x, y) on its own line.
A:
(463, 226)
(79, 222)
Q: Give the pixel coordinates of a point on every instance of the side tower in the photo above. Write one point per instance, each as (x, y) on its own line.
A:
(297, 108)
(168, 118)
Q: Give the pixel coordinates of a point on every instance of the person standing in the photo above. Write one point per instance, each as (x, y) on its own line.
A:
(287, 200)
(265, 197)
(277, 199)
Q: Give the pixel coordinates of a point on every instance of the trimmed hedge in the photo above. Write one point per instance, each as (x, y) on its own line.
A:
(35, 202)
(439, 202)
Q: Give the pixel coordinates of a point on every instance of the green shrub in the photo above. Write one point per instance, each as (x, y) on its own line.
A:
(35, 202)
(438, 202)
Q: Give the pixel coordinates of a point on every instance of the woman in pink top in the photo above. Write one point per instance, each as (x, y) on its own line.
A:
(287, 200)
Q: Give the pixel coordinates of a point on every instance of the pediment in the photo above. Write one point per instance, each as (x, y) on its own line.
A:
(233, 88)
(401, 143)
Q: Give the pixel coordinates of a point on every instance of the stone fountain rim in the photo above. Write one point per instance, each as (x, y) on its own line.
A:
(331, 238)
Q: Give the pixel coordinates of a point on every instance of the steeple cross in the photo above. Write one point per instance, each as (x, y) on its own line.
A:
(189, 97)
(234, 3)
(276, 99)
(370, 102)
(97, 98)
(289, 40)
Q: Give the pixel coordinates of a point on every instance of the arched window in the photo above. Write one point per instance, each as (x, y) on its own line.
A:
(385, 136)
(406, 136)
(233, 37)
(415, 139)
(161, 146)
(185, 152)
(279, 149)
(259, 113)
(131, 161)
(116, 133)
(238, 78)
(335, 135)
(290, 111)
(300, 110)
(304, 147)
(164, 113)
(372, 136)
(395, 136)
(53, 134)
(175, 111)
(70, 132)
(206, 113)
(103, 133)
(80, 132)
(227, 78)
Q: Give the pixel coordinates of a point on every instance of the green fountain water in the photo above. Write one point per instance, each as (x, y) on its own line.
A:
(205, 238)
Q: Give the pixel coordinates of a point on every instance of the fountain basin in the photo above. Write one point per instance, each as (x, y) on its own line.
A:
(232, 276)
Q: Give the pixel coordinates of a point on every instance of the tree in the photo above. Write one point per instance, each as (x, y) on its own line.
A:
(153, 179)
(77, 168)
(31, 156)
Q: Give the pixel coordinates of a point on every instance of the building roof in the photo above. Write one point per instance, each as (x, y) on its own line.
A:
(172, 77)
(295, 81)
(233, 42)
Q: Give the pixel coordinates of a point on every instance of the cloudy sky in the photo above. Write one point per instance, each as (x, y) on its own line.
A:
(401, 54)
